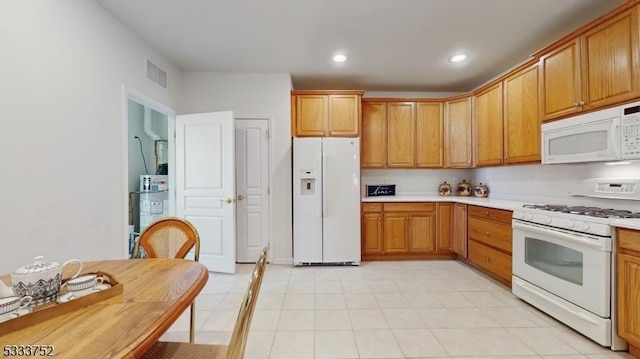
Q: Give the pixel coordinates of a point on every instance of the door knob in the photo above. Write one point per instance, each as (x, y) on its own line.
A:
(241, 197)
(227, 200)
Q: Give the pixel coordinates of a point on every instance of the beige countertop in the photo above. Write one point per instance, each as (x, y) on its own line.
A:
(509, 205)
(629, 223)
(476, 201)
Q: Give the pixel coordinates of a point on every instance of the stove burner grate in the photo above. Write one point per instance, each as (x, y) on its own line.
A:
(585, 211)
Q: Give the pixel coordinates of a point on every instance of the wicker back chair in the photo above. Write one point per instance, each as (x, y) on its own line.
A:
(237, 345)
(170, 237)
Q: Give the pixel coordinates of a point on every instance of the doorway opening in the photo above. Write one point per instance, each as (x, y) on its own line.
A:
(148, 164)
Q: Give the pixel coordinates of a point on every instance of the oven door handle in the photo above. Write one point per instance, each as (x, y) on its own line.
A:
(602, 245)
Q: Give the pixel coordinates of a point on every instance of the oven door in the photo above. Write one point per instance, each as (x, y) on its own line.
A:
(572, 266)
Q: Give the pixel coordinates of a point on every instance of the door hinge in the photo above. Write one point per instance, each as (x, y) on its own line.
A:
(268, 190)
(267, 133)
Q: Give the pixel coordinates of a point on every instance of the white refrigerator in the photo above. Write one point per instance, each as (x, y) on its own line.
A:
(326, 201)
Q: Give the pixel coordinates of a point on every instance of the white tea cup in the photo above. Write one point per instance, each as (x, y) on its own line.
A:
(10, 304)
(83, 284)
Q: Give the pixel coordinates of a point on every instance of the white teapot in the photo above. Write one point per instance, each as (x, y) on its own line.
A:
(41, 280)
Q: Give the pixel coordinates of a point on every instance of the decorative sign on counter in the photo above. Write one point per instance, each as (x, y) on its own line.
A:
(381, 190)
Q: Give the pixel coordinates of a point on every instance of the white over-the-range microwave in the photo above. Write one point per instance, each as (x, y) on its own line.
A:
(611, 134)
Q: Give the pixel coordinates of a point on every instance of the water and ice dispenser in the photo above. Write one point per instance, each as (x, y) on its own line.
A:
(308, 182)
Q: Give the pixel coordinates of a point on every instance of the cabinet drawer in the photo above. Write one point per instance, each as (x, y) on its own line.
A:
(629, 239)
(490, 259)
(498, 215)
(371, 207)
(409, 207)
(492, 233)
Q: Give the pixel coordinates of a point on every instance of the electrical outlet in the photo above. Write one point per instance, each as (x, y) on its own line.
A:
(455, 180)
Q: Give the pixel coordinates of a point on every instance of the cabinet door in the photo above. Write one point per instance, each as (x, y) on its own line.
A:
(629, 298)
(371, 233)
(444, 235)
(522, 117)
(422, 236)
(458, 133)
(374, 134)
(561, 91)
(400, 134)
(488, 126)
(429, 135)
(396, 232)
(344, 115)
(311, 117)
(460, 229)
(610, 61)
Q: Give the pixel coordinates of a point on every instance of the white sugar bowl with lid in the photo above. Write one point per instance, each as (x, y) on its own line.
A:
(41, 280)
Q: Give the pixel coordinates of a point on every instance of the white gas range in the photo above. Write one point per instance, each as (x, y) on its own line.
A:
(564, 264)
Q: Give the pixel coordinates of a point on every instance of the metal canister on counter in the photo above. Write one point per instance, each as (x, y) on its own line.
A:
(444, 189)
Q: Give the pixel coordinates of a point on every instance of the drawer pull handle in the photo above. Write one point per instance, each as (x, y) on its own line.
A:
(486, 233)
(486, 213)
(488, 259)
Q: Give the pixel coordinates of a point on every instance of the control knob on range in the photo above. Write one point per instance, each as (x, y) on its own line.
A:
(582, 226)
(569, 223)
(545, 220)
(528, 216)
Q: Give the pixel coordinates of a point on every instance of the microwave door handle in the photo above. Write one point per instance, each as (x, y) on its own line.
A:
(595, 244)
(616, 140)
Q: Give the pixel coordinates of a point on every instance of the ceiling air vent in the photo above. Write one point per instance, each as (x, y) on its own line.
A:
(156, 74)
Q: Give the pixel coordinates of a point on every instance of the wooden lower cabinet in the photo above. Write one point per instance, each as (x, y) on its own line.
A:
(628, 288)
(406, 231)
(371, 229)
(490, 241)
(460, 229)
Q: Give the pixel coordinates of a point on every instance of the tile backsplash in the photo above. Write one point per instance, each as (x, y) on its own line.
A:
(549, 184)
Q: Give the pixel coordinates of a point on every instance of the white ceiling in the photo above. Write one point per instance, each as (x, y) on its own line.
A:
(391, 45)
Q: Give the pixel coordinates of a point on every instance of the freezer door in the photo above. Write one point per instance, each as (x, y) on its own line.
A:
(341, 200)
(307, 200)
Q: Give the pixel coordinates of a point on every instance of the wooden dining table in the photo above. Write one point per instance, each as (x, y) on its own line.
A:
(155, 293)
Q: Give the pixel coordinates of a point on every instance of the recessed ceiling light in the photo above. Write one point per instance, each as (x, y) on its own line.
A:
(458, 58)
(339, 58)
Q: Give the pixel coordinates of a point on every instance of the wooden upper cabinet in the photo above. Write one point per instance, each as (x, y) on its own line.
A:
(344, 115)
(610, 61)
(597, 69)
(326, 113)
(488, 130)
(429, 134)
(374, 135)
(560, 91)
(458, 133)
(522, 116)
(400, 134)
(311, 115)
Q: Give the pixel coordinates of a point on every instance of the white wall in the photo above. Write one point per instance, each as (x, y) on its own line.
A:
(414, 182)
(553, 184)
(254, 94)
(63, 66)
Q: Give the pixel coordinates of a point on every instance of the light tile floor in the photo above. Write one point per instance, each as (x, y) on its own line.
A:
(413, 309)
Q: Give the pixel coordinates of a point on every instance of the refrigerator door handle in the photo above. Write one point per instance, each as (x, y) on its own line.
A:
(319, 185)
(324, 185)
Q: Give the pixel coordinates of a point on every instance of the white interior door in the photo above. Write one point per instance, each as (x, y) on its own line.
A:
(205, 184)
(252, 188)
